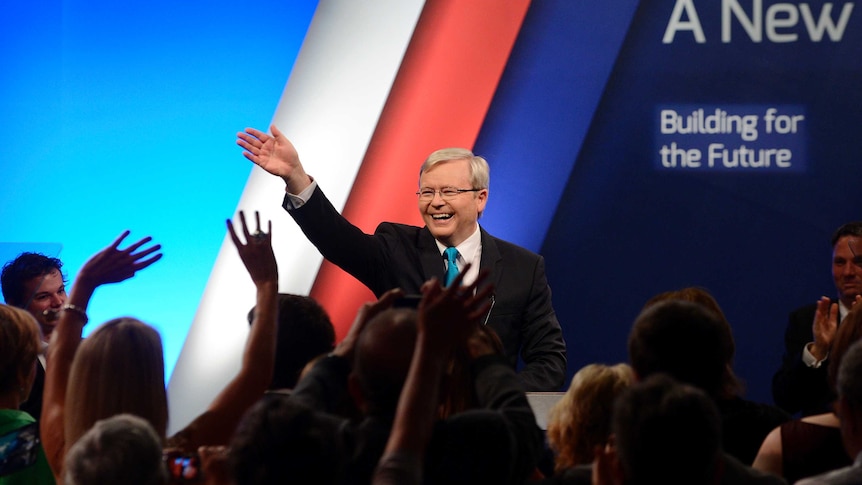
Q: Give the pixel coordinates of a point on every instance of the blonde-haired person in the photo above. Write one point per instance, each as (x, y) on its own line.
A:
(20, 344)
(581, 419)
(115, 352)
(136, 385)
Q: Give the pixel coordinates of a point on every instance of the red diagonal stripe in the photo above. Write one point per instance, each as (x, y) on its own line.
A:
(439, 99)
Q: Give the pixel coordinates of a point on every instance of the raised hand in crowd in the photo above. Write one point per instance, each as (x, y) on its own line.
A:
(110, 265)
(448, 317)
(215, 426)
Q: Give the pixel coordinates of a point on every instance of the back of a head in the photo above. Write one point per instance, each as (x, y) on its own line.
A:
(282, 441)
(21, 270)
(667, 433)
(694, 294)
(383, 354)
(684, 340)
(304, 332)
(848, 333)
(581, 420)
(121, 449)
(849, 380)
(118, 369)
(20, 341)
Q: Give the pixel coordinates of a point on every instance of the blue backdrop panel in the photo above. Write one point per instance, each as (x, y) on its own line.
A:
(628, 227)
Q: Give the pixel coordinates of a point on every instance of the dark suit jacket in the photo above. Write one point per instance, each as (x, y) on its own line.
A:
(797, 387)
(403, 256)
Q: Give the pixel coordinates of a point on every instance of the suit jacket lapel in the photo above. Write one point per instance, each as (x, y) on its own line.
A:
(491, 258)
(429, 254)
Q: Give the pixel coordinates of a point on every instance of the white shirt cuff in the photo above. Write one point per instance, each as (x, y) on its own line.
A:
(299, 200)
(809, 360)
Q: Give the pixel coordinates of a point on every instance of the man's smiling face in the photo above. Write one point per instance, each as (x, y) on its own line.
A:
(454, 220)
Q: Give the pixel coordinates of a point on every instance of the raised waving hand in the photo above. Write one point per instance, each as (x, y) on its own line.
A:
(275, 154)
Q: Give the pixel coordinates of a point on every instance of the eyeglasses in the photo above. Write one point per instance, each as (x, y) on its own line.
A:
(446, 193)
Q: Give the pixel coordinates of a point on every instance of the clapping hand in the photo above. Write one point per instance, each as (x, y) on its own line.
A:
(824, 328)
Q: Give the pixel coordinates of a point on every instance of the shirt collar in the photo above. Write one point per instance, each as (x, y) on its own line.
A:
(842, 310)
(467, 249)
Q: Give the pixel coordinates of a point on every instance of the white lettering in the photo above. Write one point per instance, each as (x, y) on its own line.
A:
(774, 21)
(715, 123)
(752, 25)
(815, 31)
(781, 124)
(672, 156)
(745, 157)
(779, 18)
(676, 23)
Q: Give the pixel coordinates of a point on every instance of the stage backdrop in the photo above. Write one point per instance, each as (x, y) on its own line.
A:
(638, 146)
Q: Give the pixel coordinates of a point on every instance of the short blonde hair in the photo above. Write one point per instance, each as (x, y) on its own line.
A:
(118, 369)
(581, 420)
(20, 342)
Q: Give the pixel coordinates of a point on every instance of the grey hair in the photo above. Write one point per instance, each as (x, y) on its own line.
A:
(121, 449)
(480, 173)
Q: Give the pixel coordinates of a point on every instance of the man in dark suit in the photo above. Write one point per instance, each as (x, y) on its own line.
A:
(453, 191)
(800, 385)
(35, 282)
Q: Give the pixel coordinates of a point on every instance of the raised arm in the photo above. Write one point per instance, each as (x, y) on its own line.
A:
(275, 154)
(216, 425)
(447, 318)
(111, 265)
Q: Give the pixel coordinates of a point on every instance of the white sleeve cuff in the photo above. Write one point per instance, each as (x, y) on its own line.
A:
(299, 200)
(809, 360)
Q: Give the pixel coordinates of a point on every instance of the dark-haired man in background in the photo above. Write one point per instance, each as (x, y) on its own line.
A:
(800, 385)
(35, 282)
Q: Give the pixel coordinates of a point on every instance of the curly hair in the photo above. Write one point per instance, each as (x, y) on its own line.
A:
(581, 420)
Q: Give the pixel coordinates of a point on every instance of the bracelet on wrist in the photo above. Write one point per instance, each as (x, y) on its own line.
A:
(53, 315)
(77, 311)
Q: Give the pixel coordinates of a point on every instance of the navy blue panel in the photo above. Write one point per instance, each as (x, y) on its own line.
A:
(627, 228)
(542, 109)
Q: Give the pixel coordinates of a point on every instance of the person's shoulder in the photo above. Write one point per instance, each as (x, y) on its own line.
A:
(736, 473)
(507, 248)
(804, 311)
(397, 227)
(843, 476)
(398, 234)
(745, 410)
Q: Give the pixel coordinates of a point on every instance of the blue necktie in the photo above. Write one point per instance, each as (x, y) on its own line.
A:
(452, 269)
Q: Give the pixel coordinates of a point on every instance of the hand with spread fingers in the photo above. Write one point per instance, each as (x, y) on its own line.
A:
(275, 154)
(256, 253)
(449, 316)
(112, 264)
